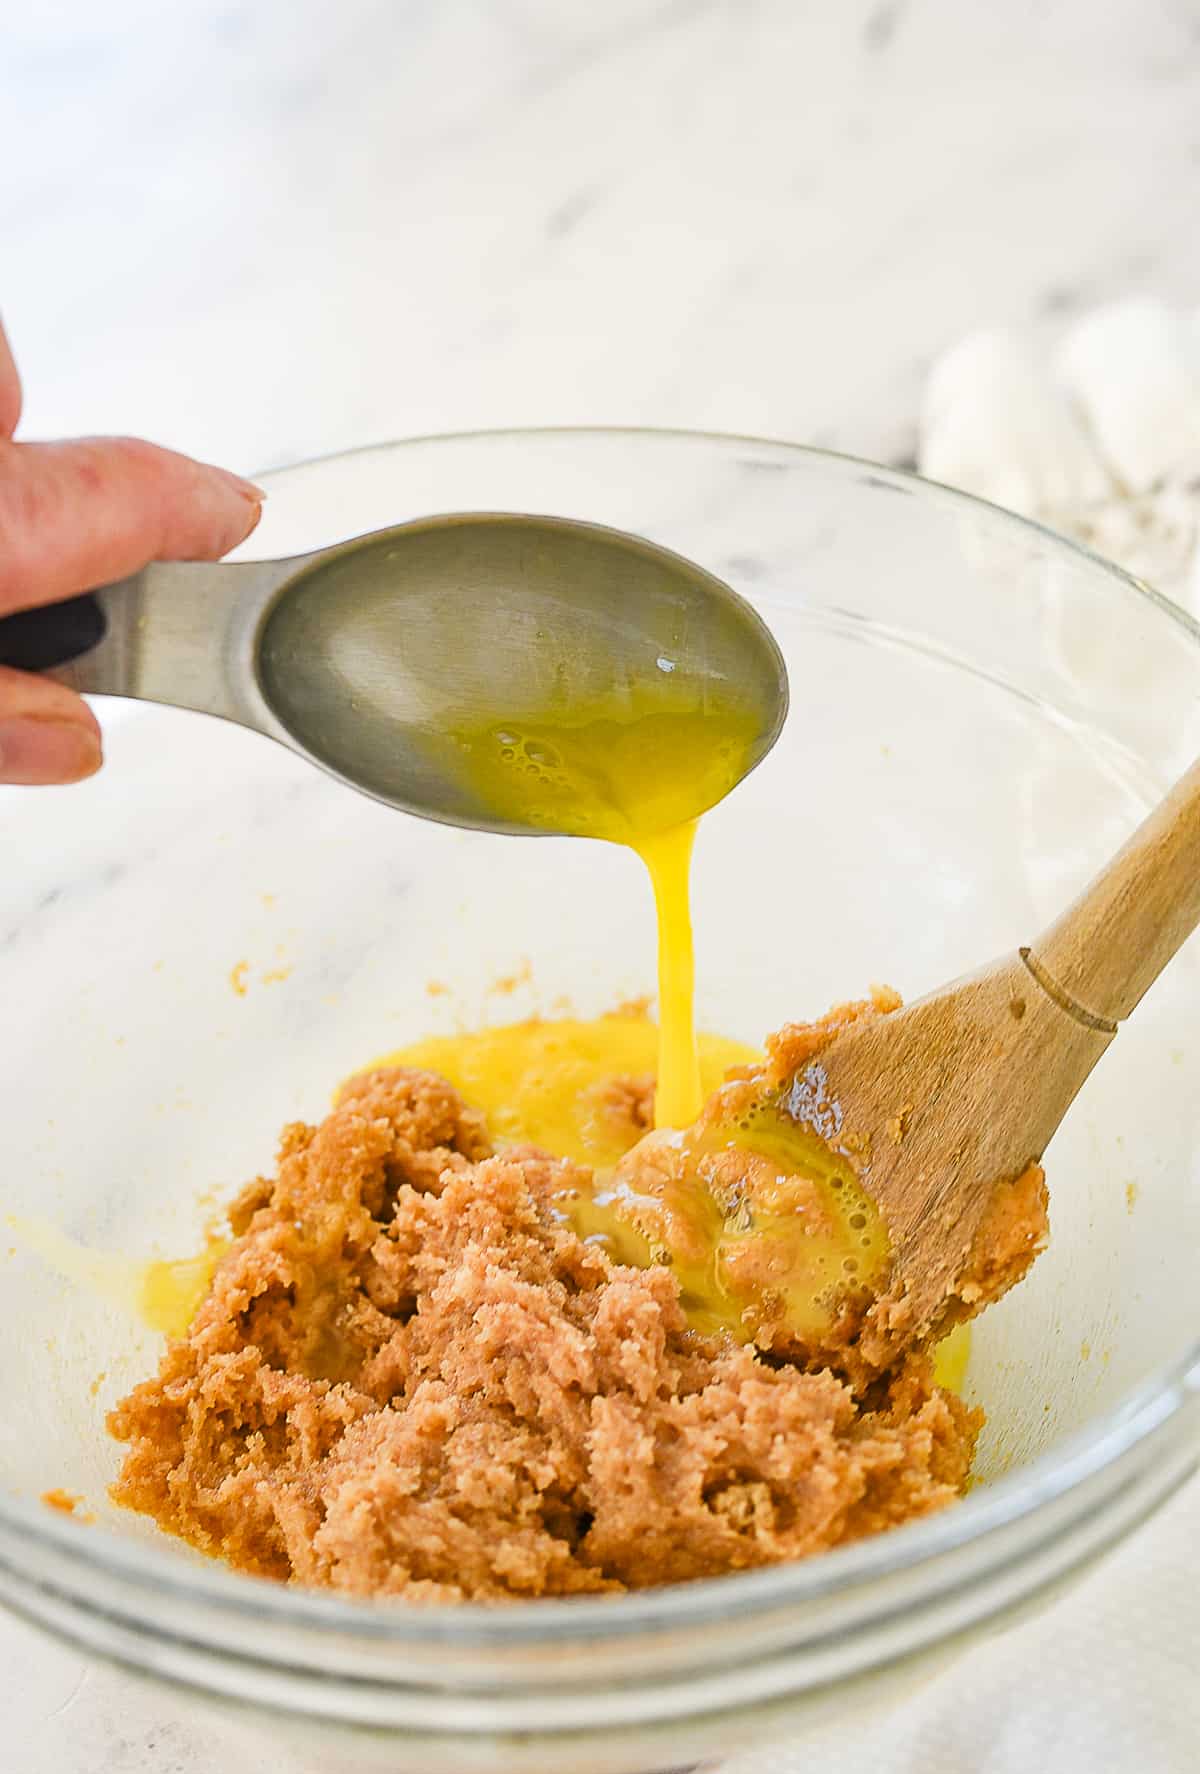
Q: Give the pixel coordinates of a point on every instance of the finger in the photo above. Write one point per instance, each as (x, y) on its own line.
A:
(80, 514)
(10, 388)
(47, 733)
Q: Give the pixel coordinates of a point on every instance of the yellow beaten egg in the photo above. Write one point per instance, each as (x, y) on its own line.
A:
(546, 1083)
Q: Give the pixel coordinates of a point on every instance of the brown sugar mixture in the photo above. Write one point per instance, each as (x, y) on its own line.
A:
(413, 1377)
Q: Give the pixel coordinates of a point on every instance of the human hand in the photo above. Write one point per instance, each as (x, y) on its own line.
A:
(77, 515)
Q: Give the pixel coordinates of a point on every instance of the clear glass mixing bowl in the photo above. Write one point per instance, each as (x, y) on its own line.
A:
(195, 946)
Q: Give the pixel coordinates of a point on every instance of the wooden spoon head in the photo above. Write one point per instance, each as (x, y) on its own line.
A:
(944, 1108)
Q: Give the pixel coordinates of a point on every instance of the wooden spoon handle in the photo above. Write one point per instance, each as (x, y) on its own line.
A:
(1108, 948)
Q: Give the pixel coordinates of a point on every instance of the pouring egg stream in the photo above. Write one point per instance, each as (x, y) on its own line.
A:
(759, 1220)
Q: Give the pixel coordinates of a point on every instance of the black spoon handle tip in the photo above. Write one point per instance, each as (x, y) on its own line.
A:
(51, 635)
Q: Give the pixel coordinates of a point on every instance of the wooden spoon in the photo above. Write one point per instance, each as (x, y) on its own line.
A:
(946, 1106)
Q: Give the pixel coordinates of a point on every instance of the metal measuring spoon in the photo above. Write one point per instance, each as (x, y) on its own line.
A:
(364, 657)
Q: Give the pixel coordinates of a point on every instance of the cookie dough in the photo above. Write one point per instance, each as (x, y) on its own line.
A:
(412, 1377)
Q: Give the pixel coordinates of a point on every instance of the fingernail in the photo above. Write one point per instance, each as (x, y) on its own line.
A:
(246, 488)
(34, 751)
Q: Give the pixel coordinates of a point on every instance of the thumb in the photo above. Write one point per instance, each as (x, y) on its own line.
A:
(10, 388)
(80, 514)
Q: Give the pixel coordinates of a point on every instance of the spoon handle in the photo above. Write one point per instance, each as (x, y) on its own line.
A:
(1108, 948)
(177, 632)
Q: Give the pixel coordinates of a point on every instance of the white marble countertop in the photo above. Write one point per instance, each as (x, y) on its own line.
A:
(264, 231)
